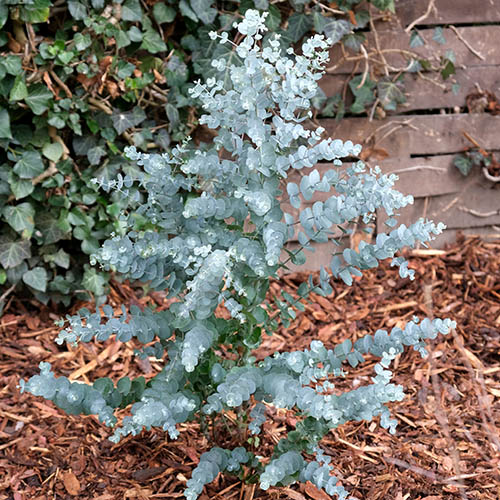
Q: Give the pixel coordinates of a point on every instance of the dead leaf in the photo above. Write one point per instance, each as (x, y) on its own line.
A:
(13, 44)
(71, 482)
(314, 492)
(105, 62)
(447, 464)
(141, 493)
(85, 80)
(474, 360)
(48, 81)
(159, 78)
(33, 322)
(374, 154)
(294, 495)
(327, 331)
(37, 350)
(112, 89)
(190, 452)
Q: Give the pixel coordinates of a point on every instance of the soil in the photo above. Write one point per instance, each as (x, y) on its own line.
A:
(447, 443)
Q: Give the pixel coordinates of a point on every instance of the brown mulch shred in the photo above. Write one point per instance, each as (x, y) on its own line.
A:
(447, 443)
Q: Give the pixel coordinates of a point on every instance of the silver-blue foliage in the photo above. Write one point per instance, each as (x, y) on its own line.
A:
(219, 235)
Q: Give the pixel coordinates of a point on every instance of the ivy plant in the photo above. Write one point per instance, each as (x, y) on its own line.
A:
(219, 235)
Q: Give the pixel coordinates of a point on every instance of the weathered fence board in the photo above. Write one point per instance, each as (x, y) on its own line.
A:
(394, 43)
(454, 209)
(431, 176)
(449, 12)
(422, 94)
(429, 134)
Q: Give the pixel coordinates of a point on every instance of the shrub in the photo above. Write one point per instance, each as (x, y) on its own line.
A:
(220, 237)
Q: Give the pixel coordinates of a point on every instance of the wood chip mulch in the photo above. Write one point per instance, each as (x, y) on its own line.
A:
(447, 444)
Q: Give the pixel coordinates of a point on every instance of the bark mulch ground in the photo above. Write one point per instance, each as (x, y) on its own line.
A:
(447, 444)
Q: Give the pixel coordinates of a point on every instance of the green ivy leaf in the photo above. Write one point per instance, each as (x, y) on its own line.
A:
(3, 276)
(335, 29)
(53, 151)
(122, 39)
(131, 11)
(20, 187)
(5, 132)
(19, 90)
(39, 98)
(4, 15)
(135, 34)
(298, 25)
(65, 57)
(50, 228)
(125, 120)
(463, 164)
(273, 20)
(94, 281)
(56, 121)
(384, 5)
(163, 13)
(13, 252)
(61, 258)
(416, 40)
(438, 35)
(30, 165)
(12, 64)
(36, 278)
(186, 11)
(95, 154)
(204, 10)
(82, 41)
(90, 245)
(153, 42)
(34, 14)
(448, 70)
(319, 21)
(77, 10)
(21, 218)
(364, 95)
(390, 93)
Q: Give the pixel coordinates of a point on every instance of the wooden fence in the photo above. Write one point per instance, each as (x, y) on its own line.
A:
(422, 137)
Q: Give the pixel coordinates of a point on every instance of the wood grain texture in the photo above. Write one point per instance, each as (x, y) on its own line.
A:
(453, 209)
(484, 39)
(429, 135)
(430, 176)
(422, 94)
(449, 11)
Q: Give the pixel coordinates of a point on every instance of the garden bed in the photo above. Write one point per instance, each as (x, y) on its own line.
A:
(447, 443)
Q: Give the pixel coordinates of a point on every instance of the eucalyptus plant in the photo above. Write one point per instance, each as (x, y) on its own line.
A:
(220, 235)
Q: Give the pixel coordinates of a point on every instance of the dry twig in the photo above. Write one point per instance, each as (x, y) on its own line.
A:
(423, 17)
(466, 43)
